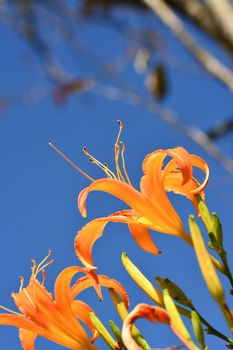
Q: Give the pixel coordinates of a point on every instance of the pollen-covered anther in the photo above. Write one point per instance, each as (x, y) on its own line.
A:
(102, 166)
(21, 279)
(120, 123)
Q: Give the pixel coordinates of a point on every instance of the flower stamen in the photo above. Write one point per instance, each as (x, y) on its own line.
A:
(42, 264)
(117, 152)
(21, 279)
(10, 311)
(102, 166)
(123, 149)
(29, 298)
(71, 163)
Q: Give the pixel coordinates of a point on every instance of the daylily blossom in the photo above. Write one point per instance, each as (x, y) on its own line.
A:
(150, 207)
(154, 314)
(57, 319)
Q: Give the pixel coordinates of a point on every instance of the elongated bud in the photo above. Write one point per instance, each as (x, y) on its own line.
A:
(209, 274)
(175, 291)
(142, 281)
(204, 213)
(206, 265)
(116, 331)
(177, 324)
(147, 287)
(217, 229)
(103, 332)
(213, 244)
(123, 313)
(198, 331)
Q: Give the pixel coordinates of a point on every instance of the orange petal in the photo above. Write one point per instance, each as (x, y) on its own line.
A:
(62, 285)
(84, 283)
(123, 191)
(183, 161)
(27, 339)
(87, 236)
(82, 201)
(152, 313)
(201, 164)
(143, 238)
(20, 322)
(173, 182)
(152, 188)
(64, 300)
(81, 311)
(34, 298)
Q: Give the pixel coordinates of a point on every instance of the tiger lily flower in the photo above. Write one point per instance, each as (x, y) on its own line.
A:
(56, 319)
(150, 207)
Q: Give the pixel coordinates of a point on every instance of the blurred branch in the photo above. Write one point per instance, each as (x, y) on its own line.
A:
(223, 13)
(221, 129)
(203, 18)
(209, 62)
(171, 118)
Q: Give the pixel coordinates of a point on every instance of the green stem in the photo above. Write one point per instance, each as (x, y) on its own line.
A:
(213, 331)
(223, 256)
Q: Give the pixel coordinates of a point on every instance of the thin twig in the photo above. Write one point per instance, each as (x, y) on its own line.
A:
(209, 62)
(223, 13)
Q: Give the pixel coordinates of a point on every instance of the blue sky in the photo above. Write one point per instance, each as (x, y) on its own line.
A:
(39, 190)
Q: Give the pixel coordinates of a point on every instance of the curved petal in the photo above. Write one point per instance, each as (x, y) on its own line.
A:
(152, 188)
(152, 313)
(27, 339)
(81, 311)
(143, 238)
(173, 182)
(162, 221)
(20, 322)
(201, 164)
(183, 161)
(88, 235)
(64, 300)
(62, 285)
(196, 162)
(84, 283)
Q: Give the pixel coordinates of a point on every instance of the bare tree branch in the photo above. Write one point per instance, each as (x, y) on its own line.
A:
(223, 13)
(203, 18)
(209, 62)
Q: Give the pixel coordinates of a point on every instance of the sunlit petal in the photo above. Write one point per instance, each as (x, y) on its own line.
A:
(27, 339)
(81, 311)
(88, 235)
(143, 238)
(84, 283)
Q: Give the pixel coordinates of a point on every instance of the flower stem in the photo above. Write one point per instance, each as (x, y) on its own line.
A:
(211, 330)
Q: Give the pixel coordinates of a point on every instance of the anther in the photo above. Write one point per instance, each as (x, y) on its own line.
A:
(44, 277)
(120, 123)
(102, 166)
(21, 279)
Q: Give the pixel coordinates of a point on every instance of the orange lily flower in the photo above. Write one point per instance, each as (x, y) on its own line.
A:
(56, 319)
(154, 314)
(150, 207)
